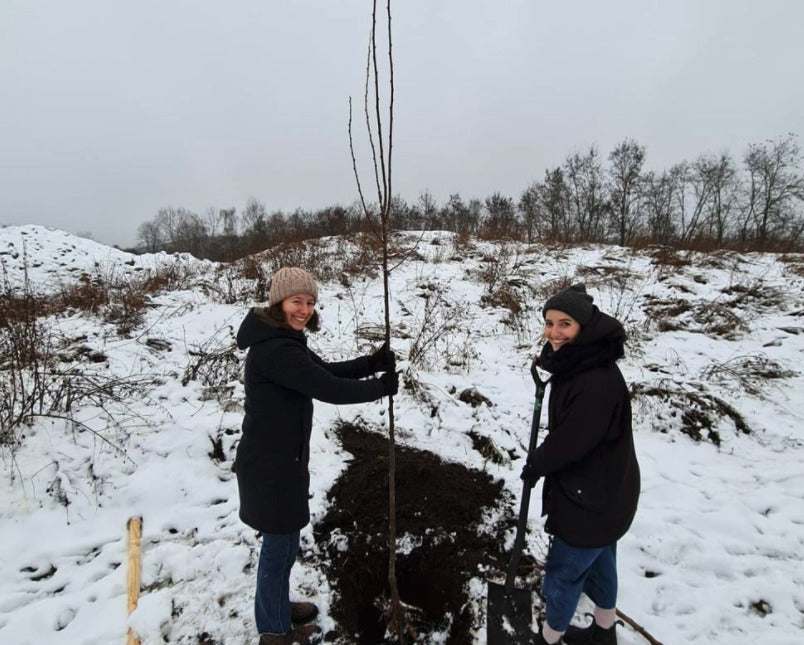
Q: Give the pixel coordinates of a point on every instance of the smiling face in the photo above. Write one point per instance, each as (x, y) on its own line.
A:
(559, 328)
(298, 309)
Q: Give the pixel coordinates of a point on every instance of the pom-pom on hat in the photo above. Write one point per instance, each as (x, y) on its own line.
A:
(289, 281)
(573, 301)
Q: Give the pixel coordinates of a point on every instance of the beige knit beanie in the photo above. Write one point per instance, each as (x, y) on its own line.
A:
(289, 281)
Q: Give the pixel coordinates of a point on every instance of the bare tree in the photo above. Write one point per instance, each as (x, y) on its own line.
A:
(460, 217)
(167, 219)
(690, 199)
(379, 219)
(429, 211)
(254, 217)
(583, 175)
(228, 217)
(775, 188)
(529, 206)
(626, 166)
(719, 174)
(501, 220)
(556, 197)
(659, 199)
(149, 236)
(191, 234)
(212, 222)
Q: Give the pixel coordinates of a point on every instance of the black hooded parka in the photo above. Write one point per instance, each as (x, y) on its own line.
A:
(282, 377)
(592, 479)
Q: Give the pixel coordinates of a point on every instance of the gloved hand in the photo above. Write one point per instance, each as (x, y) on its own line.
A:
(390, 383)
(529, 474)
(383, 360)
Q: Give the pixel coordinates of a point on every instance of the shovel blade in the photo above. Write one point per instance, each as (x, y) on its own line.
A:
(508, 617)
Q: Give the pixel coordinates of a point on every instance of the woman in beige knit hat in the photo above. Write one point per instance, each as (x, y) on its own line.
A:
(282, 377)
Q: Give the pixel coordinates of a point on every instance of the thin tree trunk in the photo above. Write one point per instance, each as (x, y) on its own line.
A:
(381, 157)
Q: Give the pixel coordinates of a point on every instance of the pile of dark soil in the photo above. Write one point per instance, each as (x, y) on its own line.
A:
(441, 509)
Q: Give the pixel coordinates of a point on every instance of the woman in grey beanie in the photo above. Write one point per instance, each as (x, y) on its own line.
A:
(589, 466)
(282, 377)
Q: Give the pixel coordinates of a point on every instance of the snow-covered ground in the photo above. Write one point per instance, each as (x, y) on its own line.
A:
(714, 555)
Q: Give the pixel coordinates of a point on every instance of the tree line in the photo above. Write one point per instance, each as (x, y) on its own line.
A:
(715, 201)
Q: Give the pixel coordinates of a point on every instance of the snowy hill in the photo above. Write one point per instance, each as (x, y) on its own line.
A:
(714, 362)
(52, 258)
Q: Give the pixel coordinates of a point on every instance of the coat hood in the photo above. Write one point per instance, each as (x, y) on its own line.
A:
(600, 342)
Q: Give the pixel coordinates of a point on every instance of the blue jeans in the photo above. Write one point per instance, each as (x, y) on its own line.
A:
(570, 570)
(272, 600)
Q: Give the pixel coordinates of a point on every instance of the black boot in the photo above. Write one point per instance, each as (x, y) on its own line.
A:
(592, 635)
(538, 639)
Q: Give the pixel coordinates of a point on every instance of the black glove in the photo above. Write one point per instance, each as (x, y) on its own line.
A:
(529, 474)
(390, 383)
(383, 360)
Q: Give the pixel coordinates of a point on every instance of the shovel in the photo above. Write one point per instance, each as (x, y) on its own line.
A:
(509, 612)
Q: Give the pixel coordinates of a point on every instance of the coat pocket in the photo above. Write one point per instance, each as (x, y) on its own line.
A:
(584, 492)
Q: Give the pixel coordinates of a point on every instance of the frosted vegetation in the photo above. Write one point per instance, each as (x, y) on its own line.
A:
(121, 396)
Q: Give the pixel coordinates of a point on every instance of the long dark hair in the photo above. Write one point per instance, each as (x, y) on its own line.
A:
(275, 317)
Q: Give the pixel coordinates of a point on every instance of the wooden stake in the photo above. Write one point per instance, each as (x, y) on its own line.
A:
(134, 566)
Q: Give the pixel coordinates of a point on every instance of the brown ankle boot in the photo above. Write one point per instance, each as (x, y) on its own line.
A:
(298, 635)
(302, 612)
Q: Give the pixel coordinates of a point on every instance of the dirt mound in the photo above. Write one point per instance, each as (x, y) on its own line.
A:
(444, 531)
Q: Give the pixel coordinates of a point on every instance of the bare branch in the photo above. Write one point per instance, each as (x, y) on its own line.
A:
(368, 115)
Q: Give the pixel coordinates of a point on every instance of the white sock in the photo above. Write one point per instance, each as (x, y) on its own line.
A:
(605, 617)
(550, 634)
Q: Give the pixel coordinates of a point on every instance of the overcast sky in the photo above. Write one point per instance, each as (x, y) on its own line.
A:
(113, 110)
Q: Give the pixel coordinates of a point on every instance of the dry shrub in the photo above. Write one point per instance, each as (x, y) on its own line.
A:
(658, 309)
(711, 318)
(215, 367)
(89, 294)
(692, 413)
(170, 277)
(473, 397)
(794, 263)
(546, 290)
(307, 254)
(462, 245)
(487, 448)
(502, 289)
(605, 274)
(440, 334)
(504, 298)
(796, 269)
(752, 372)
(16, 308)
(360, 255)
(35, 384)
(369, 242)
(665, 256)
(755, 295)
(32, 355)
(720, 259)
(719, 320)
(253, 269)
(126, 307)
(122, 300)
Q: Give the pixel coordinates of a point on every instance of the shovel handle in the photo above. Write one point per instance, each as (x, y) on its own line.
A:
(524, 506)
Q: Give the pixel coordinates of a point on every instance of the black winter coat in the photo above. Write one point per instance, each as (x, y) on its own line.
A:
(282, 377)
(592, 478)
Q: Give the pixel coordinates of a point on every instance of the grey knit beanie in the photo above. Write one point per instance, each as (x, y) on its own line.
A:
(289, 281)
(573, 301)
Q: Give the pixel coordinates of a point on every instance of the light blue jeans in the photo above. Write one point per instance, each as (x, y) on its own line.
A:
(272, 600)
(570, 570)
